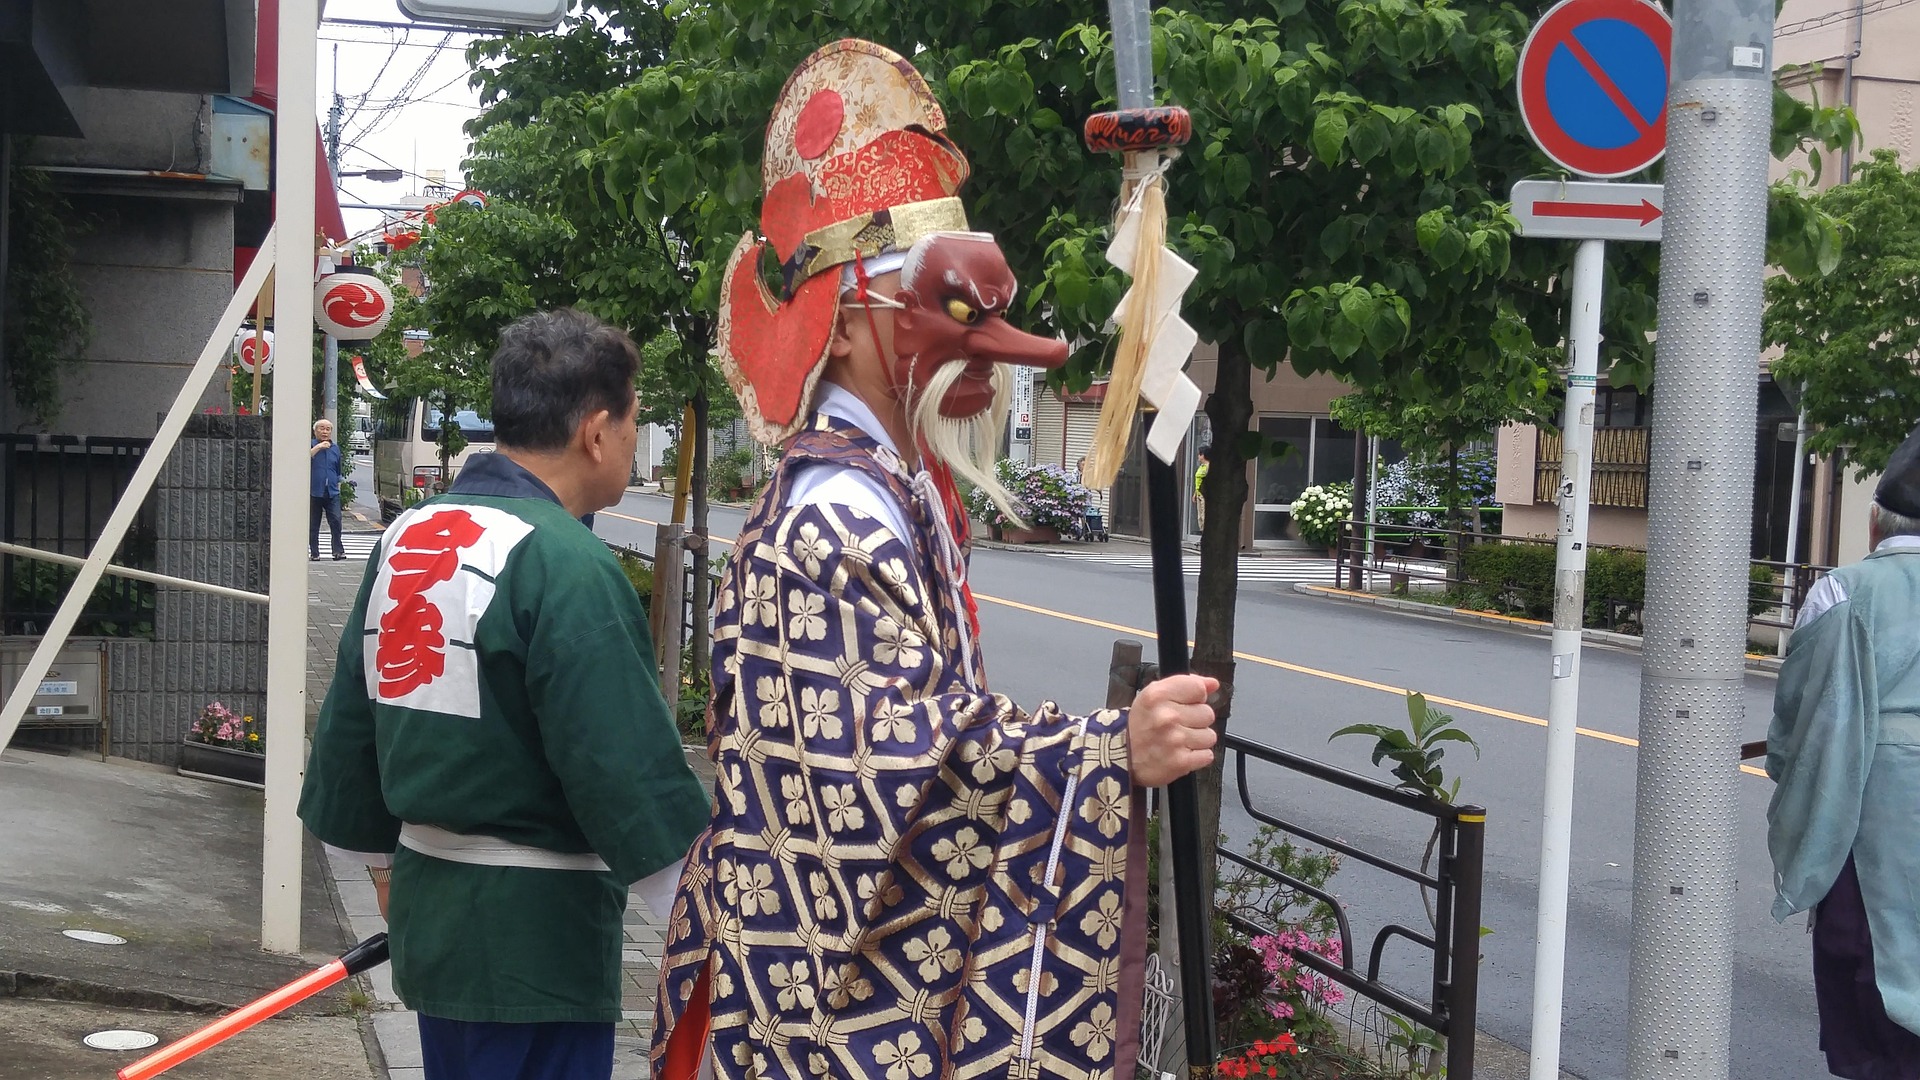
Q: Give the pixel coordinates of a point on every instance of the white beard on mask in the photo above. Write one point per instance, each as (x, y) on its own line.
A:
(969, 445)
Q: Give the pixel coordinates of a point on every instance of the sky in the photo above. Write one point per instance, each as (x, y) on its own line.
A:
(405, 95)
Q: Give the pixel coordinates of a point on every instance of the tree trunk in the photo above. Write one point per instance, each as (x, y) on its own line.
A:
(1230, 411)
(701, 599)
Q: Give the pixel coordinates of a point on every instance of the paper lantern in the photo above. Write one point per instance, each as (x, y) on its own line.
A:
(352, 305)
(243, 351)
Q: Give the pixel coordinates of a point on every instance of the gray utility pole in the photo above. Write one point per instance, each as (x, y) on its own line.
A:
(1700, 502)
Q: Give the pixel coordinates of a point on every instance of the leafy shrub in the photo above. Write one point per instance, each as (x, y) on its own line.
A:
(1519, 578)
(1322, 511)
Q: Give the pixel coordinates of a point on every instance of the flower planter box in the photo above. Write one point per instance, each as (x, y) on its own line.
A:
(1039, 534)
(205, 761)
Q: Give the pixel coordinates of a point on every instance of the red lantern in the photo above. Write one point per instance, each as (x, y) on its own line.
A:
(352, 304)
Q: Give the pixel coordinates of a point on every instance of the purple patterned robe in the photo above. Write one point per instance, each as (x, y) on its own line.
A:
(894, 851)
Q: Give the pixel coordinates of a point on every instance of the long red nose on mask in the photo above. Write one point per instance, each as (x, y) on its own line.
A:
(1000, 341)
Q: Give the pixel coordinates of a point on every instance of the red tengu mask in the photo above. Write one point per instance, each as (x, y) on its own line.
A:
(955, 291)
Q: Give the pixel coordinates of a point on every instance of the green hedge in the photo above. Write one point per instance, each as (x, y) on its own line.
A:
(1519, 578)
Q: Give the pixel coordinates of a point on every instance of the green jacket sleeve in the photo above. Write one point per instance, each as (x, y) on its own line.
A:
(605, 729)
(341, 800)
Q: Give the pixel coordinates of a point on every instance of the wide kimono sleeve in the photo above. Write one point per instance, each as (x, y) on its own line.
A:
(341, 800)
(1826, 721)
(910, 875)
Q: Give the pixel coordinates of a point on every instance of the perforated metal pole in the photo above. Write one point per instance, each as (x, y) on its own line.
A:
(1563, 689)
(1700, 496)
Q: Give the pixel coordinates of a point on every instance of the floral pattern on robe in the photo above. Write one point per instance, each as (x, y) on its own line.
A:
(894, 851)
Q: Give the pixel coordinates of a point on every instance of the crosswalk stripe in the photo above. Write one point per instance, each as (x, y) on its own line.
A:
(358, 545)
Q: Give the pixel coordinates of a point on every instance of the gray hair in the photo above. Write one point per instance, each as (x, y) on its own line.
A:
(554, 369)
(1889, 523)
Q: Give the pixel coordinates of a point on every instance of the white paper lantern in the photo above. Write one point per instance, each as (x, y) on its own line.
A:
(352, 306)
(243, 350)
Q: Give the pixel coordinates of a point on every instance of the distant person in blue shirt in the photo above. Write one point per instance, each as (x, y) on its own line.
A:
(323, 486)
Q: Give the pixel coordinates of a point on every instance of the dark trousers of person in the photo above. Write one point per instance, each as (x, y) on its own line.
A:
(1860, 1040)
(329, 507)
(465, 1050)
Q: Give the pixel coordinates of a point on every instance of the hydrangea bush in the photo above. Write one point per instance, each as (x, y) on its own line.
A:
(1321, 510)
(1047, 495)
(1424, 483)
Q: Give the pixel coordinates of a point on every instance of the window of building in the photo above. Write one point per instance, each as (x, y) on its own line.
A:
(1319, 451)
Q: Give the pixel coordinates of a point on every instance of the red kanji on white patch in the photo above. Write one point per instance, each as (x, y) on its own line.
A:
(425, 612)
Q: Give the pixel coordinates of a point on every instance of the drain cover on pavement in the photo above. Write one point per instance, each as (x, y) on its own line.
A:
(121, 1039)
(95, 937)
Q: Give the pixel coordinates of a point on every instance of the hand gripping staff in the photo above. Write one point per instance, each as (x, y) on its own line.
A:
(1149, 361)
(368, 954)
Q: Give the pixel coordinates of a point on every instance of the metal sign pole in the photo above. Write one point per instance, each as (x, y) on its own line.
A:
(292, 407)
(1700, 475)
(1563, 692)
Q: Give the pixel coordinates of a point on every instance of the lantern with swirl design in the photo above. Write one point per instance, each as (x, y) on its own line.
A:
(352, 304)
(248, 352)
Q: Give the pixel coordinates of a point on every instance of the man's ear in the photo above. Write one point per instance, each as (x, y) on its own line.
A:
(840, 343)
(594, 431)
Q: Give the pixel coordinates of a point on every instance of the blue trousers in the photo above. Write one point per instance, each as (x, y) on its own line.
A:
(462, 1050)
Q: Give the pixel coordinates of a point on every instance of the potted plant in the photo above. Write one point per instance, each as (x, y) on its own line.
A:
(1321, 512)
(225, 746)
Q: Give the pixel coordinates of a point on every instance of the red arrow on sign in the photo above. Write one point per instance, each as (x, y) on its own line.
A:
(1645, 213)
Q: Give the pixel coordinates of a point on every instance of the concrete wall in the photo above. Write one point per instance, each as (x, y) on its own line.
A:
(211, 520)
(153, 257)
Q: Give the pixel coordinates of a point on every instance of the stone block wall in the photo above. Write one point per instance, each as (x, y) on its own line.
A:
(210, 517)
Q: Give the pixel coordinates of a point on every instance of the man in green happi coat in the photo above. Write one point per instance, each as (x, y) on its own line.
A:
(496, 728)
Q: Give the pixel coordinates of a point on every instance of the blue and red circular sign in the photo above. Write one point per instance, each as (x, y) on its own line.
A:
(1593, 85)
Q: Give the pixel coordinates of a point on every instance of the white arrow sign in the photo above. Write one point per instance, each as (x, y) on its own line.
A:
(1588, 210)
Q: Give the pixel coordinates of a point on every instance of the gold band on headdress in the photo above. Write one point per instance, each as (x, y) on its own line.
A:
(895, 228)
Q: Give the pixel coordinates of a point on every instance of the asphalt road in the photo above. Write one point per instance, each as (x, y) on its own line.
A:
(1310, 666)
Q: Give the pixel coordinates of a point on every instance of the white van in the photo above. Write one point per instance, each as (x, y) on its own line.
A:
(406, 454)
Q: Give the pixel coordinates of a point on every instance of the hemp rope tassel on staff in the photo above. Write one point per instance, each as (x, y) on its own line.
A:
(1145, 194)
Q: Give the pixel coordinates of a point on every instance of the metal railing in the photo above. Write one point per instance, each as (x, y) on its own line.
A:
(1437, 560)
(689, 568)
(1454, 876)
(59, 491)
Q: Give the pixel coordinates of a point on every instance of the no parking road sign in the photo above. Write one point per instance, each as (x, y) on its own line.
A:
(1593, 85)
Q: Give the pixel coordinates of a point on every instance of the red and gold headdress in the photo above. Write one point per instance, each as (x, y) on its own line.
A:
(857, 166)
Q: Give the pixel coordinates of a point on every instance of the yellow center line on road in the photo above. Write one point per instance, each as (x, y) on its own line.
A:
(1268, 661)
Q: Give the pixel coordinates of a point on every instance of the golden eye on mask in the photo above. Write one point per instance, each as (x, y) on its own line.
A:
(963, 312)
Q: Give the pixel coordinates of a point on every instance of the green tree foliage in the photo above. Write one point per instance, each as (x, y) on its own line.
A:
(48, 327)
(1849, 337)
(1343, 196)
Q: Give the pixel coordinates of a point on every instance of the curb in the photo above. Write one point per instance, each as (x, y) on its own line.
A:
(1768, 665)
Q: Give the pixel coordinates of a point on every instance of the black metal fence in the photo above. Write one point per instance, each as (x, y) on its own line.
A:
(646, 558)
(58, 492)
(1453, 875)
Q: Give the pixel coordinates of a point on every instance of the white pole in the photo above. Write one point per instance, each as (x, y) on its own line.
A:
(292, 408)
(185, 404)
(1563, 691)
(1792, 557)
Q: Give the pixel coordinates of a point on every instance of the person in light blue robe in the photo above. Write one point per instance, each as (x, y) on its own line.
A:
(1843, 826)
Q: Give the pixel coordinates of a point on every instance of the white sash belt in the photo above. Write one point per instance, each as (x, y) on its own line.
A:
(479, 850)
